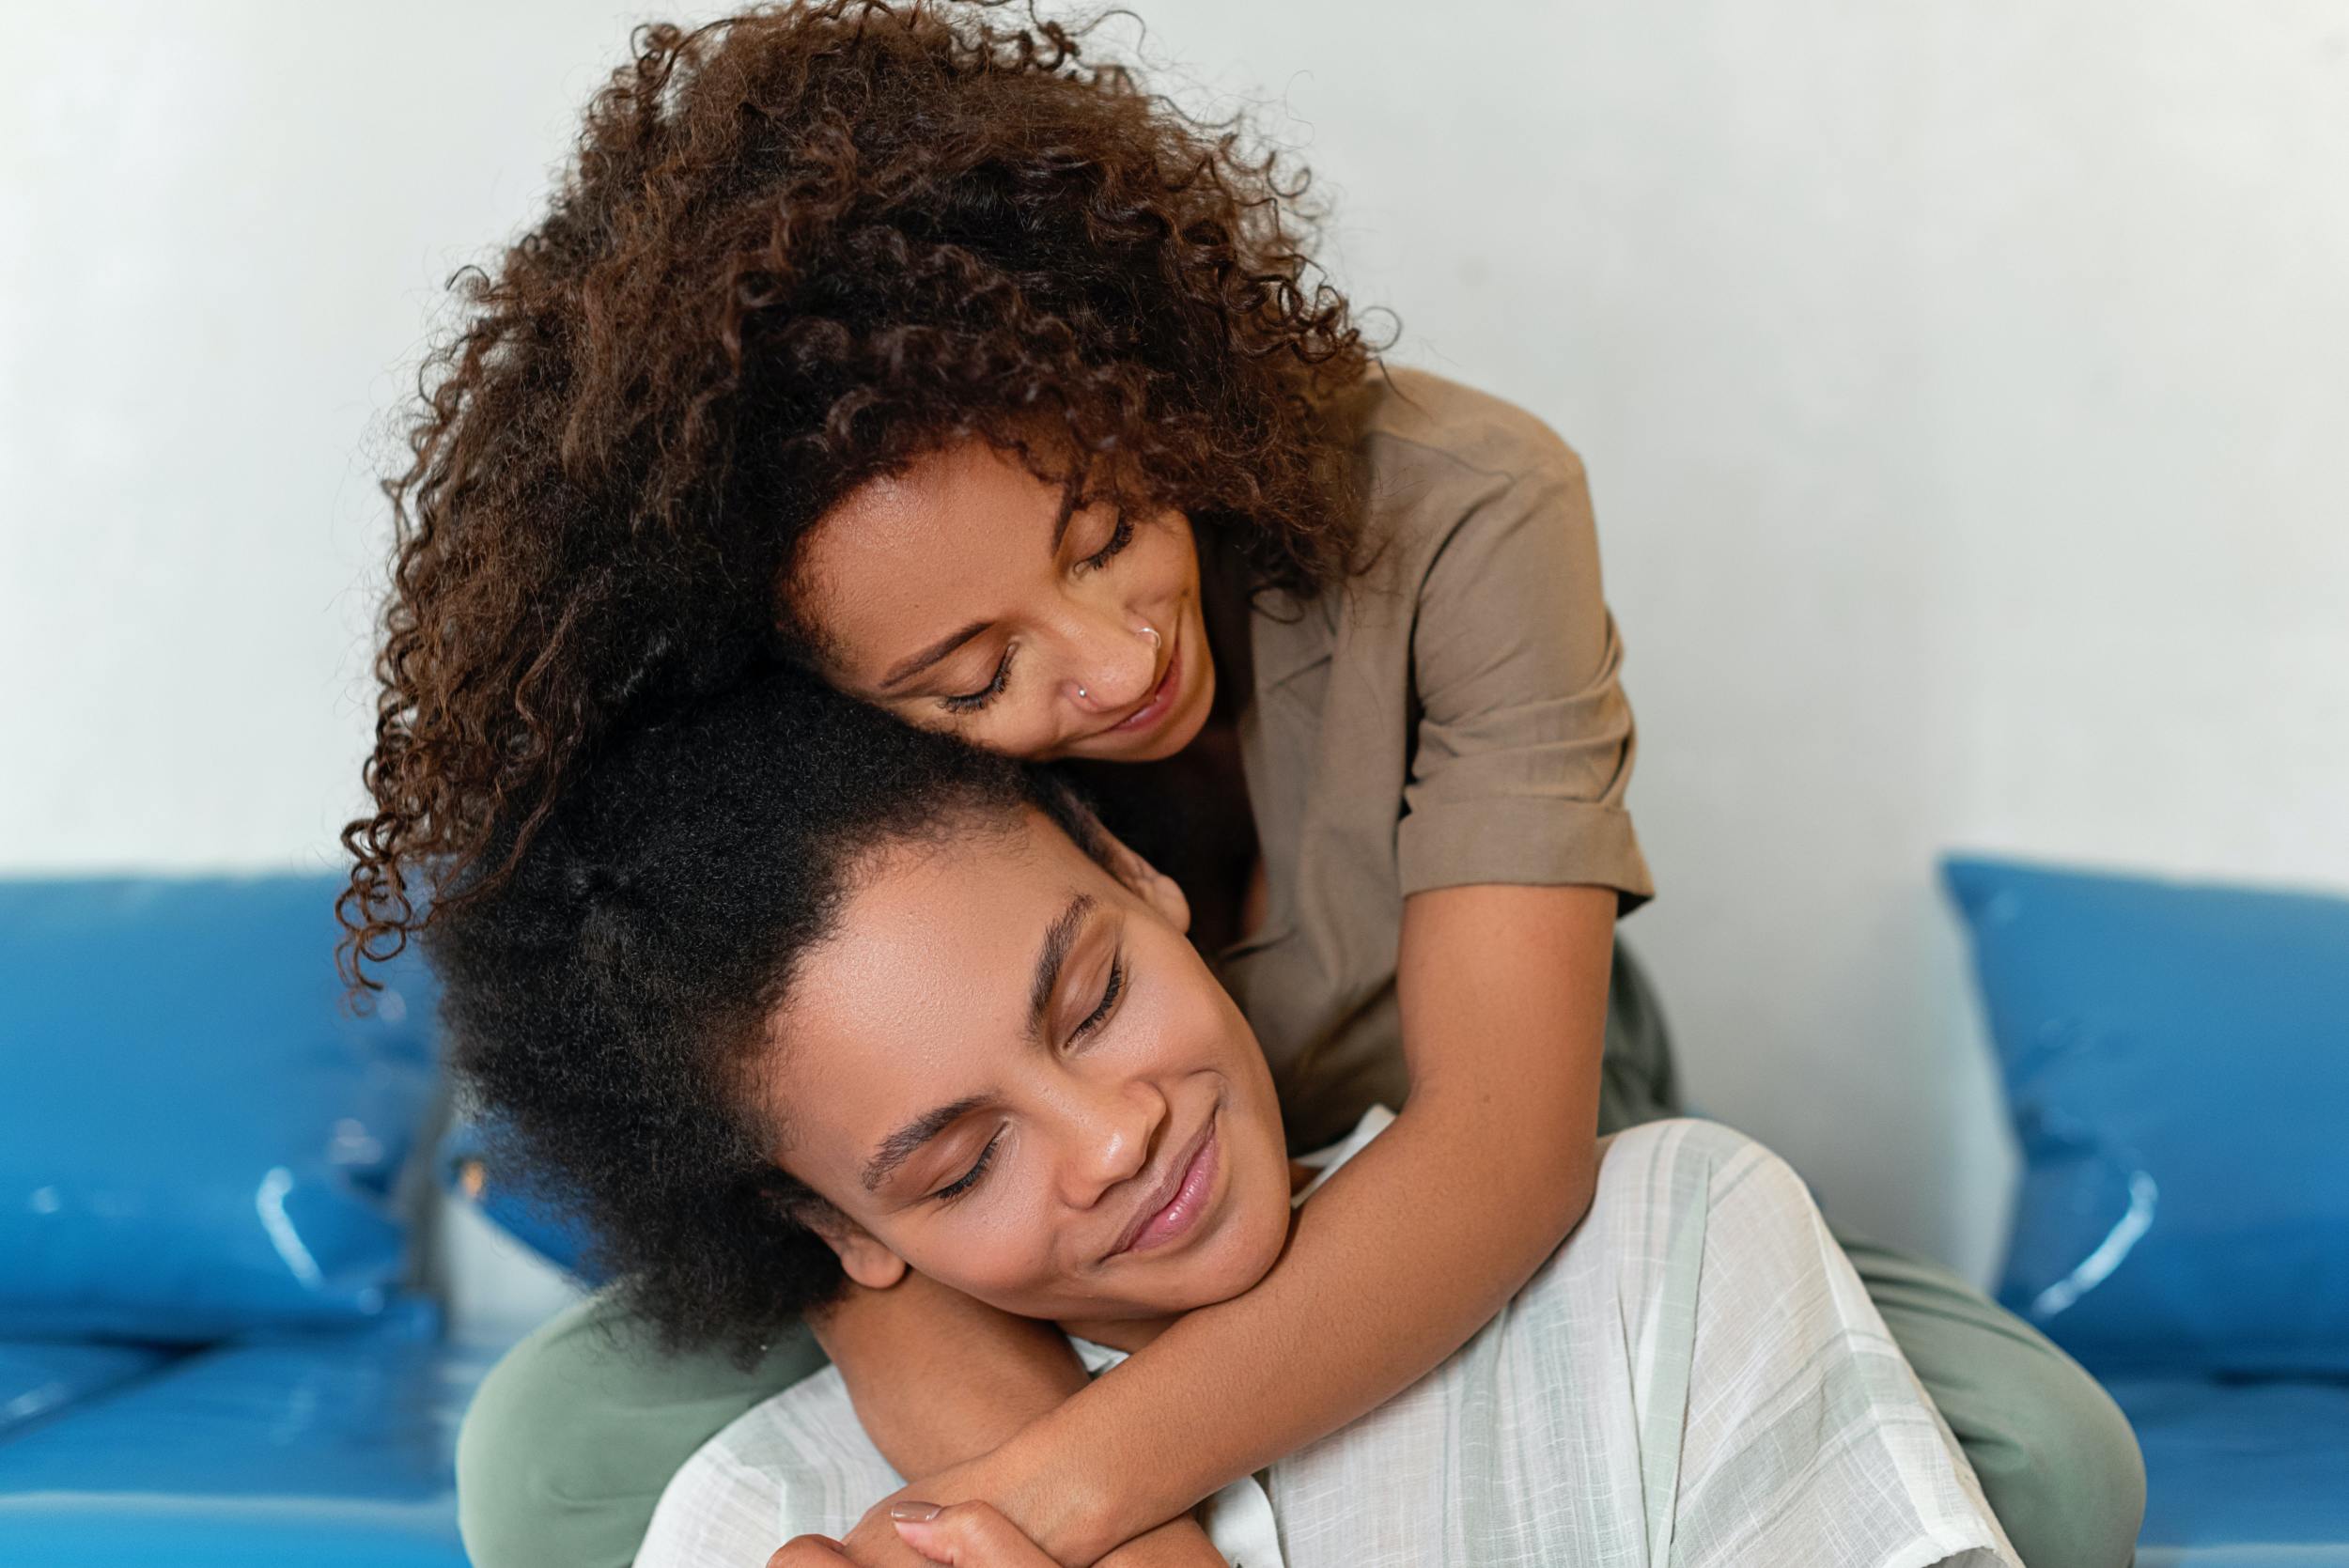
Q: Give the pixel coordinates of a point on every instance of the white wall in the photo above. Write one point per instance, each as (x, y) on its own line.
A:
(1964, 387)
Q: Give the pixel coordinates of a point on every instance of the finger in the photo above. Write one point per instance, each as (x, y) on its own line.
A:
(807, 1551)
(875, 1543)
(966, 1535)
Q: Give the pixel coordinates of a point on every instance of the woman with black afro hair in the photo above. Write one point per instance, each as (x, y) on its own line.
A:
(910, 344)
(787, 999)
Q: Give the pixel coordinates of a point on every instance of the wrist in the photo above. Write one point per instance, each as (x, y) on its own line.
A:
(1066, 1508)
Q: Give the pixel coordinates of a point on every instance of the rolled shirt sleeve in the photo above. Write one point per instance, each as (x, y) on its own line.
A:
(1524, 741)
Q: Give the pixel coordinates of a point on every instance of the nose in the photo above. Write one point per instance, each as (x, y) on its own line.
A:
(1113, 661)
(1113, 1131)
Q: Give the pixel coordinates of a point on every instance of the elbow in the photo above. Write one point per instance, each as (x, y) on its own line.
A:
(1545, 1200)
(1534, 1172)
(1557, 1177)
(1581, 1190)
(1534, 1159)
(1548, 1179)
(1565, 1195)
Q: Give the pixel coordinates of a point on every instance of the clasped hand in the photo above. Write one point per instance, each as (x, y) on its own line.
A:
(913, 1527)
(968, 1534)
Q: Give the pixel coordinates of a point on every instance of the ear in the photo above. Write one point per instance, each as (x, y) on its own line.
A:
(862, 1257)
(1153, 886)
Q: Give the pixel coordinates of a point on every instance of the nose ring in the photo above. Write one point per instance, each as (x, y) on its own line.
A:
(1149, 631)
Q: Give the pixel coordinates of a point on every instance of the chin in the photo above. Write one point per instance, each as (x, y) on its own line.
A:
(1255, 1245)
(1242, 1257)
(1251, 1269)
(1248, 1265)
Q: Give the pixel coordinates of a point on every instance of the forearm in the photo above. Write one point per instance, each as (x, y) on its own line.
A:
(1381, 1281)
(938, 1378)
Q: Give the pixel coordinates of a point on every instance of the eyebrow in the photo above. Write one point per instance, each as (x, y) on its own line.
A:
(1058, 939)
(900, 1146)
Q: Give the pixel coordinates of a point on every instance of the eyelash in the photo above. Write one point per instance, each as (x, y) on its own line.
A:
(1120, 536)
(1109, 993)
(973, 702)
(971, 1178)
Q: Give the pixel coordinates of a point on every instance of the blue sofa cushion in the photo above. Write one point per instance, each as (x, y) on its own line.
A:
(2242, 1475)
(2177, 1058)
(473, 1175)
(42, 1378)
(339, 1449)
(198, 1138)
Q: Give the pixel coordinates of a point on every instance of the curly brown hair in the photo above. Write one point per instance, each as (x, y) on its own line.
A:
(795, 250)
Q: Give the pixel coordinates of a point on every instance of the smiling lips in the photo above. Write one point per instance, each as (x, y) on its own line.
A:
(1174, 1205)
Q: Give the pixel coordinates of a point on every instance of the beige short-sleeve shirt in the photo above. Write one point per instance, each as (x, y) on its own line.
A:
(1451, 716)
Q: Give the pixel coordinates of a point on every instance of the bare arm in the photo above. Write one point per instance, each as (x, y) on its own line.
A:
(1405, 1253)
(939, 1379)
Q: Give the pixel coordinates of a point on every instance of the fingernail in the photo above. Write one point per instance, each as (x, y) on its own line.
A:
(920, 1512)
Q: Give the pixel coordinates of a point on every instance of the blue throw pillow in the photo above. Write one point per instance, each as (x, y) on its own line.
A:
(2177, 1059)
(197, 1138)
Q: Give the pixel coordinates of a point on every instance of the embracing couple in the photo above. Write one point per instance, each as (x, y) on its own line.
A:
(955, 720)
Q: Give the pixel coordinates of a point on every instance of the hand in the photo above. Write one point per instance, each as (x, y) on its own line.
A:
(974, 1535)
(966, 1535)
(808, 1551)
(873, 1542)
(1010, 1491)
(985, 1537)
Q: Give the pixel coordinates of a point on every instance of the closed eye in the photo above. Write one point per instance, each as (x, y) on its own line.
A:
(969, 1178)
(1112, 988)
(972, 702)
(1120, 536)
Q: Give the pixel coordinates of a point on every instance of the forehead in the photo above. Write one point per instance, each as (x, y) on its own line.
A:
(926, 977)
(936, 542)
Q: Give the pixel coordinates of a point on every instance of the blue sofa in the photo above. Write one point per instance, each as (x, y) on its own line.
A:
(211, 1352)
(2176, 1059)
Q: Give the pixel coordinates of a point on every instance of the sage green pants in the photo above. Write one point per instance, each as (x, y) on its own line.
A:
(573, 1437)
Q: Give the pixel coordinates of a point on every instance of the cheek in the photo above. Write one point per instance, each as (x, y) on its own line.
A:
(1021, 725)
(1004, 1256)
(1167, 564)
(1194, 1025)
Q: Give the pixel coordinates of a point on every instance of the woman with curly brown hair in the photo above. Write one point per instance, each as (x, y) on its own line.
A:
(903, 345)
